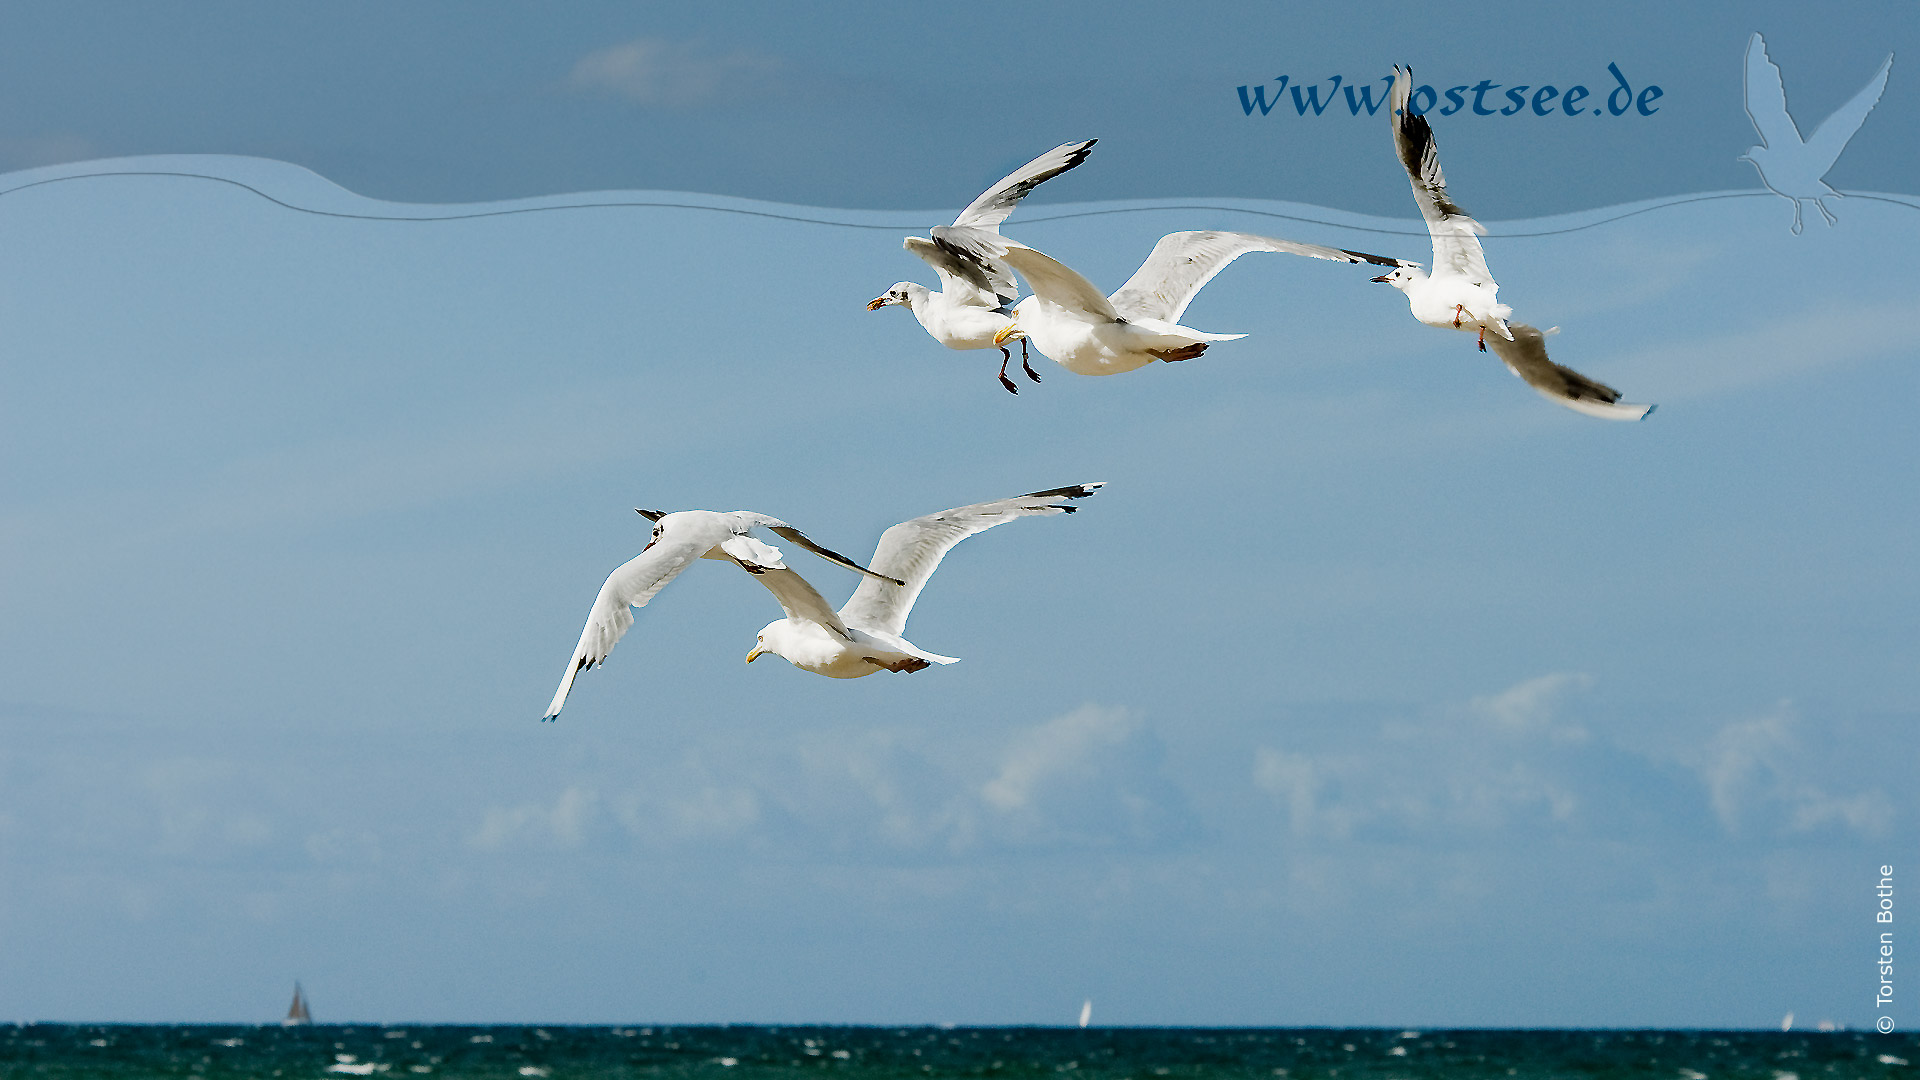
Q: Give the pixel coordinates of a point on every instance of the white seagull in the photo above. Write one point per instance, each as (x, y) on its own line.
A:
(678, 539)
(1077, 327)
(1790, 166)
(865, 635)
(976, 291)
(1461, 294)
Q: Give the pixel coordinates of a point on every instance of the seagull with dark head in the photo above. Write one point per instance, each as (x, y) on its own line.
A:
(1460, 293)
(976, 290)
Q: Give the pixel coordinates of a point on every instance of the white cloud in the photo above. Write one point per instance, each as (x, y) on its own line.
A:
(1055, 750)
(1753, 772)
(1442, 772)
(563, 824)
(1094, 776)
(674, 74)
(1533, 704)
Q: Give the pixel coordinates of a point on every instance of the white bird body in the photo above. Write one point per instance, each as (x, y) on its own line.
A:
(1460, 293)
(810, 646)
(1454, 301)
(1077, 327)
(1103, 346)
(956, 321)
(867, 633)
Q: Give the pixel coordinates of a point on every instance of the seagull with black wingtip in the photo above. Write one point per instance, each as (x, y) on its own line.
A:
(1460, 293)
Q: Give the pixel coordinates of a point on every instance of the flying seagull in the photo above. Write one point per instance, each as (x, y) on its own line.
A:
(678, 539)
(1790, 166)
(865, 635)
(1461, 294)
(976, 291)
(1083, 331)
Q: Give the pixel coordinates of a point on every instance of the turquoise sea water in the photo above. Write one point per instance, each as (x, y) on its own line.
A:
(844, 1053)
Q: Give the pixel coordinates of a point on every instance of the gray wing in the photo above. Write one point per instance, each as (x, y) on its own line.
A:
(993, 206)
(630, 587)
(798, 598)
(1766, 99)
(963, 278)
(912, 550)
(1056, 282)
(1526, 356)
(1831, 136)
(1456, 241)
(1184, 261)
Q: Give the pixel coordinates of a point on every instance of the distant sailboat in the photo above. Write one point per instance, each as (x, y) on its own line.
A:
(1786, 1023)
(1086, 1011)
(297, 1013)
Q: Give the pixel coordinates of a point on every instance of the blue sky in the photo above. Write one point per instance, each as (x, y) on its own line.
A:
(1373, 689)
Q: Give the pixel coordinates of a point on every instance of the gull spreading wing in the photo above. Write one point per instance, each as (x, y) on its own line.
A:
(1526, 356)
(1456, 243)
(963, 250)
(1056, 282)
(912, 550)
(994, 204)
(630, 587)
(1182, 262)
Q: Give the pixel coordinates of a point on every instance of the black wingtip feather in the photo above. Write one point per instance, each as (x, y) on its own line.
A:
(1377, 260)
(1076, 491)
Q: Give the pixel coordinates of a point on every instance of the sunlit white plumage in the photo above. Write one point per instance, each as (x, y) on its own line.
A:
(866, 634)
(1077, 327)
(678, 539)
(976, 290)
(1460, 293)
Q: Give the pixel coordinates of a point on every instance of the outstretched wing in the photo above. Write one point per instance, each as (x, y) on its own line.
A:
(1056, 282)
(1184, 261)
(963, 279)
(993, 206)
(799, 599)
(1766, 99)
(630, 587)
(1831, 136)
(1526, 356)
(1456, 241)
(912, 550)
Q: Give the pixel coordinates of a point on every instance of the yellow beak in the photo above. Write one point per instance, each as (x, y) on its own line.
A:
(757, 653)
(876, 303)
(1006, 332)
